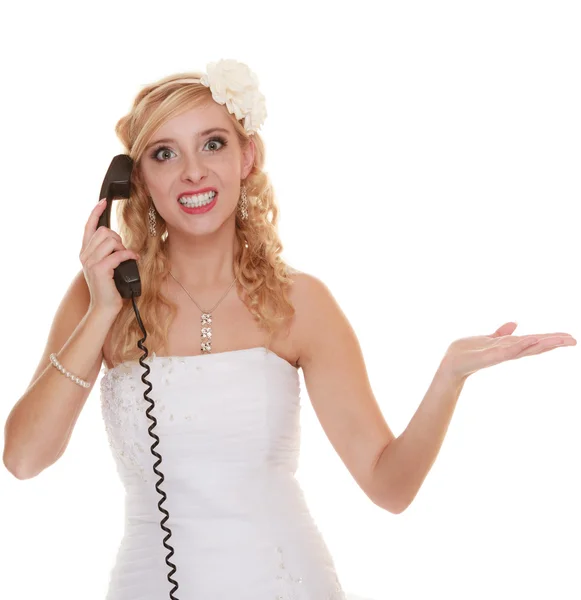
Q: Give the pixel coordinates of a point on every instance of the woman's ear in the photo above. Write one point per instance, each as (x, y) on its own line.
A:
(248, 157)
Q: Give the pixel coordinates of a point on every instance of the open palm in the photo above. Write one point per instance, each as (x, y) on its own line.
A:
(468, 355)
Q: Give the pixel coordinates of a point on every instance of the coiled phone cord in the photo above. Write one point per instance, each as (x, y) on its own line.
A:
(158, 456)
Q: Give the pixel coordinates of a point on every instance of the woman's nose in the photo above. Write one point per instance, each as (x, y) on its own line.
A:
(194, 167)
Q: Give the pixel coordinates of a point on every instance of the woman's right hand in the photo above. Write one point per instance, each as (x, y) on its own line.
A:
(101, 253)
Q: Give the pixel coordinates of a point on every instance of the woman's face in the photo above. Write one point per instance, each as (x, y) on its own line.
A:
(193, 174)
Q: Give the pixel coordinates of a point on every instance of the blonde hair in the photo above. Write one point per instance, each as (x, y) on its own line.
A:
(263, 278)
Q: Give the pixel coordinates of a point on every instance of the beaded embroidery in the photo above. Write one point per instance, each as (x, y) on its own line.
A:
(118, 415)
(124, 422)
(287, 581)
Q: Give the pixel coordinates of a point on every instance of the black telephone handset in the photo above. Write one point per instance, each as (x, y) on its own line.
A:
(116, 185)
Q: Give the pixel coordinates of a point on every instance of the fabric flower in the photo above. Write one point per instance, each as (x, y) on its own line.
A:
(232, 83)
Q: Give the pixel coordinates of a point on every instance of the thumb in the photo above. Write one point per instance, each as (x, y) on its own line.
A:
(506, 329)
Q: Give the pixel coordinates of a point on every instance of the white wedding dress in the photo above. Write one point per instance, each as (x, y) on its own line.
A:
(229, 434)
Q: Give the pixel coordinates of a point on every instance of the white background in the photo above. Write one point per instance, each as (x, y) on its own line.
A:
(425, 157)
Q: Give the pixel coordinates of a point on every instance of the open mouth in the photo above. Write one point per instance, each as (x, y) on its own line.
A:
(197, 200)
(198, 203)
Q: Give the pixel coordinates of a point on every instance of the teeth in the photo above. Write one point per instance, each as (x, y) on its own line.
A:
(197, 200)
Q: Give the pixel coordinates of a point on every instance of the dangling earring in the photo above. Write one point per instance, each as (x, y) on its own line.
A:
(152, 220)
(243, 204)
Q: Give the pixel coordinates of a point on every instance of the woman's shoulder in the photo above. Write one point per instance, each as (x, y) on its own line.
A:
(310, 296)
(290, 270)
(306, 284)
(317, 313)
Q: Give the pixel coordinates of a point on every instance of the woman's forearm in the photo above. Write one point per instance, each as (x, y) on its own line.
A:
(407, 460)
(39, 426)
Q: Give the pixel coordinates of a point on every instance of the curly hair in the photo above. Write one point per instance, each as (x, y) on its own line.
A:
(263, 280)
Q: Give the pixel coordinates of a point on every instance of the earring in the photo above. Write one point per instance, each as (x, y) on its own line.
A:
(152, 220)
(243, 204)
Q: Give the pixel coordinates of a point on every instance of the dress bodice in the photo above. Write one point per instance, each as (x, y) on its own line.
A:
(229, 431)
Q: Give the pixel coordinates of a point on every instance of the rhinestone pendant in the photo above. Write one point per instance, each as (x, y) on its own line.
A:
(206, 343)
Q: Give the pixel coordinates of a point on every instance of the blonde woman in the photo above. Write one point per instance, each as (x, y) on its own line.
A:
(228, 326)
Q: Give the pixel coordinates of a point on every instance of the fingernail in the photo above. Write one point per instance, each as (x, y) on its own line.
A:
(101, 201)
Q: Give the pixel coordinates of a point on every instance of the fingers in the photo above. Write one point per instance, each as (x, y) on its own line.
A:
(550, 335)
(566, 338)
(544, 345)
(552, 348)
(92, 237)
(511, 340)
(91, 224)
(114, 260)
(99, 249)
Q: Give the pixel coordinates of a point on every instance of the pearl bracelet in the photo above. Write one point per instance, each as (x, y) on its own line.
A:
(57, 364)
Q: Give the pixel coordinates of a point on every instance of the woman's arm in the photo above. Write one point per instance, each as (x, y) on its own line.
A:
(338, 387)
(405, 463)
(39, 426)
(389, 470)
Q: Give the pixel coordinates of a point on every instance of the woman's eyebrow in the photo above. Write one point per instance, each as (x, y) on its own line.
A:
(200, 134)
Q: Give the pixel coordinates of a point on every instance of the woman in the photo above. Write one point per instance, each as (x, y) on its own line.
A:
(230, 325)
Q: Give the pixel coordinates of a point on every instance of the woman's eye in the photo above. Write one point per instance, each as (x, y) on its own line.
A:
(163, 153)
(214, 142)
(160, 151)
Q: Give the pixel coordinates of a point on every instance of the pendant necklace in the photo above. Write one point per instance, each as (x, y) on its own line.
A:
(206, 318)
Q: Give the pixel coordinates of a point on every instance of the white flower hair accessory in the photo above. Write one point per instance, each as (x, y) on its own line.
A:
(232, 83)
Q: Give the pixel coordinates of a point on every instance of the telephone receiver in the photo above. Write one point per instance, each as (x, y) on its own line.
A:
(116, 185)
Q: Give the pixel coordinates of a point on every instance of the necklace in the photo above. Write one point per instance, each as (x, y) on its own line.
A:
(206, 318)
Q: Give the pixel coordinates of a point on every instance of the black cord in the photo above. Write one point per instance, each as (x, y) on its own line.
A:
(158, 456)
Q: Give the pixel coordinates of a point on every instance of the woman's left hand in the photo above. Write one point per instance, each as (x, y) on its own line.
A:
(468, 355)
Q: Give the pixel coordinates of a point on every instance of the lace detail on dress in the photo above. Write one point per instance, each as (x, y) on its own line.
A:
(117, 410)
(123, 409)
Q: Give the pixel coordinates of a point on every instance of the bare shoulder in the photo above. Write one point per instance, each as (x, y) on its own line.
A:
(337, 383)
(307, 287)
(317, 314)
